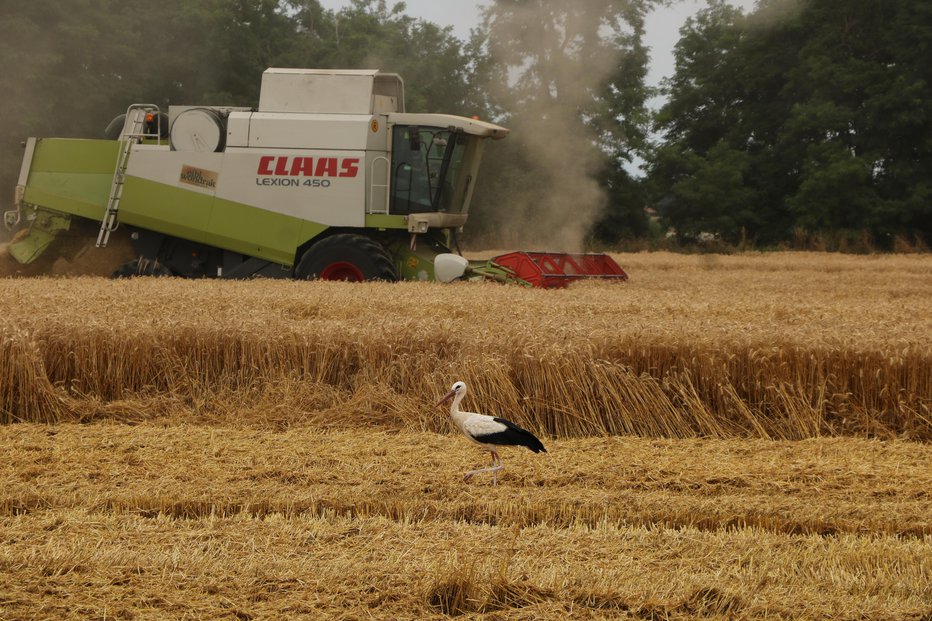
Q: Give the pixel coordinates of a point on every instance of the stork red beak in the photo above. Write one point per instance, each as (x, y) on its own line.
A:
(446, 397)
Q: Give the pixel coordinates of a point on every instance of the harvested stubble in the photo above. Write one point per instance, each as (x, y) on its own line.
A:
(149, 521)
(284, 463)
(820, 486)
(776, 346)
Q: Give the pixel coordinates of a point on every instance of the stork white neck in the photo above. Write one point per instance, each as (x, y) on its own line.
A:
(455, 406)
(455, 412)
(457, 392)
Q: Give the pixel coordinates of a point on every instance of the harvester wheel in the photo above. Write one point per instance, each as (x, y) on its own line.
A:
(346, 256)
(143, 267)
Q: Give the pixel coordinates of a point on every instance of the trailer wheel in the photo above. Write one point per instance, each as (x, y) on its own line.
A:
(346, 257)
(143, 267)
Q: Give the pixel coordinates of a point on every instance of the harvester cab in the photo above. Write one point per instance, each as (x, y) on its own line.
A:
(329, 177)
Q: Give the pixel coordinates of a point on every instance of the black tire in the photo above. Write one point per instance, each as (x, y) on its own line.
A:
(346, 256)
(141, 267)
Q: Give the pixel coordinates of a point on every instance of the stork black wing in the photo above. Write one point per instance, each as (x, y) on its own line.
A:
(512, 435)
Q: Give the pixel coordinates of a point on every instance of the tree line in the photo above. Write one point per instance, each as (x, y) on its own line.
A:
(800, 120)
(803, 117)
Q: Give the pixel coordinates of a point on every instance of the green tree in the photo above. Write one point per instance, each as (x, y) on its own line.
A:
(567, 79)
(624, 125)
(369, 34)
(69, 68)
(813, 115)
(709, 173)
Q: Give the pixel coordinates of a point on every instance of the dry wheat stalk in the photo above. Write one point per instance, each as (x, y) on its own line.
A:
(791, 345)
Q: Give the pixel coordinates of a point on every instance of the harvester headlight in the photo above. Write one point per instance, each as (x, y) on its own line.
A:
(417, 225)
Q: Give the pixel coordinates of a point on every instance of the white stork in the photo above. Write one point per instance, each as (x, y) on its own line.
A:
(488, 432)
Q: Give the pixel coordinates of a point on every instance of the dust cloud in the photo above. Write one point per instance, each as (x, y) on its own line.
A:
(557, 58)
(75, 255)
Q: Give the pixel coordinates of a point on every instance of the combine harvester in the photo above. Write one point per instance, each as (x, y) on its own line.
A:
(328, 178)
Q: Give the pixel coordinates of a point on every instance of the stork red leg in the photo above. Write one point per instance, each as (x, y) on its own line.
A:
(496, 466)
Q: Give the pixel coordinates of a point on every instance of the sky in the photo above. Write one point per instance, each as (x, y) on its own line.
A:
(662, 26)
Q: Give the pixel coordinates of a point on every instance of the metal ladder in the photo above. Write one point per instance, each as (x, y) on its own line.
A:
(134, 131)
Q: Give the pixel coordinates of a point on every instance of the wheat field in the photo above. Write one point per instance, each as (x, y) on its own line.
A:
(733, 437)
